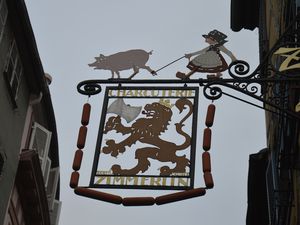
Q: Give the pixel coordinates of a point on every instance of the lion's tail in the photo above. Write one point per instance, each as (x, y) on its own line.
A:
(181, 105)
(187, 137)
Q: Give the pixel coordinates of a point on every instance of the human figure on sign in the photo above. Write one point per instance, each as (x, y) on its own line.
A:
(209, 60)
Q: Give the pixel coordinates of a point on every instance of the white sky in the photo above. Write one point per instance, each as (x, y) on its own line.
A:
(70, 33)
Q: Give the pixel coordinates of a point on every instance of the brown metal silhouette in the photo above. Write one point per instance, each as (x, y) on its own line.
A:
(148, 130)
(135, 59)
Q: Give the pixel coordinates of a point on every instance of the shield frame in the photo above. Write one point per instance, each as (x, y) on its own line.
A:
(195, 98)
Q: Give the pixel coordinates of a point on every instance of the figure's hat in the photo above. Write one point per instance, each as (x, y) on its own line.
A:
(217, 36)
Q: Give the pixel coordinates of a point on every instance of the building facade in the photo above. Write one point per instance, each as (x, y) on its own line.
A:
(29, 160)
(274, 176)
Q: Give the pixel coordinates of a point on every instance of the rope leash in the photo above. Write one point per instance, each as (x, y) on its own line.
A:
(169, 64)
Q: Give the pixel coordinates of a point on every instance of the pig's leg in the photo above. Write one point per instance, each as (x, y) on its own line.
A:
(112, 74)
(149, 69)
(135, 71)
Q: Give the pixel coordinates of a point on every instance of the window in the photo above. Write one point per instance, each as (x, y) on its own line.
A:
(40, 142)
(3, 17)
(13, 72)
(55, 213)
(52, 187)
(15, 214)
(47, 170)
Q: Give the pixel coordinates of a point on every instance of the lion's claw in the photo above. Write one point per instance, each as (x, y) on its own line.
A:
(113, 148)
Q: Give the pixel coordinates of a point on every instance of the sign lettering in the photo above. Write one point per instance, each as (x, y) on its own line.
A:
(144, 181)
(292, 56)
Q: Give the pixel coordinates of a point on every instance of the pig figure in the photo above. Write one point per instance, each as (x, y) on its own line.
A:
(131, 59)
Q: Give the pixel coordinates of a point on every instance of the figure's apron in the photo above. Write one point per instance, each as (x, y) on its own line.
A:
(211, 62)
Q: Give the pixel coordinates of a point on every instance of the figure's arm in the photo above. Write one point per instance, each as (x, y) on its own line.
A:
(227, 52)
(189, 55)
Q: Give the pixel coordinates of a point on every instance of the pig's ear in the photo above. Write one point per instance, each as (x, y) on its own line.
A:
(102, 56)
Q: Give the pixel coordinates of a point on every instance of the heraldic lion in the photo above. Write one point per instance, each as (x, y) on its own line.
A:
(148, 130)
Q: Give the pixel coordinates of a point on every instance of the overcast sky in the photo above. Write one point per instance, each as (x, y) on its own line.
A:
(70, 33)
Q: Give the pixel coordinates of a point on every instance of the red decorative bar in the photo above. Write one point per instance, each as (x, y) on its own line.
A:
(102, 196)
(164, 199)
(81, 137)
(74, 179)
(207, 139)
(86, 111)
(77, 160)
(208, 179)
(210, 115)
(206, 163)
(138, 201)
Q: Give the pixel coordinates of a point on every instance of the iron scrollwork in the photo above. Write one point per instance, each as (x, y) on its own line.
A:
(239, 70)
(269, 83)
(89, 88)
(241, 81)
(251, 85)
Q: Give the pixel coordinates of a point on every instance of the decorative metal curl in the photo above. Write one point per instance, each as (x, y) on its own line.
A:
(212, 92)
(251, 88)
(88, 88)
(239, 70)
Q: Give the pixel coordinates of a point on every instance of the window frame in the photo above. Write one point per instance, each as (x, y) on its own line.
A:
(46, 171)
(3, 18)
(13, 72)
(15, 213)
(52, 186)
(55, 212)
(43, 155)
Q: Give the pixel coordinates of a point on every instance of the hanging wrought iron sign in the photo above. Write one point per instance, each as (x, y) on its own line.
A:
(147, 135)
(165, 124)
(146, 138)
